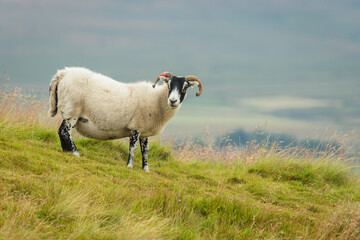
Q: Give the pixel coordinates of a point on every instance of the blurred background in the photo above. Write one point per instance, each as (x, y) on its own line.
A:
(289, 67)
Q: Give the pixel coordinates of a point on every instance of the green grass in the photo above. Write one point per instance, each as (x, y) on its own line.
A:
(48, 194)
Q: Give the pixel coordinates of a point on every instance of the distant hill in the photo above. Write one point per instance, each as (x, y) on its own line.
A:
(241, 138)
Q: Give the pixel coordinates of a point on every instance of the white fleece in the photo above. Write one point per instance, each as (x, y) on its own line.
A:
(112, 108)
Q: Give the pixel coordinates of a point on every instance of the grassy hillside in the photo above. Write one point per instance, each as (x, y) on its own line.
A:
(47, 194)
(192, 192)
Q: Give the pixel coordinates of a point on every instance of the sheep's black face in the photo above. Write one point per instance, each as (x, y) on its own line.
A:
(178, 87)
(177, 90)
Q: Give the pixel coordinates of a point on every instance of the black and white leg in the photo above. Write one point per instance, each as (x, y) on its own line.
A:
(144, 144)
(64, 132)
(134, 137)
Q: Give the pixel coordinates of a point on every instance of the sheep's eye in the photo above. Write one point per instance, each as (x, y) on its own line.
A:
(184, 89)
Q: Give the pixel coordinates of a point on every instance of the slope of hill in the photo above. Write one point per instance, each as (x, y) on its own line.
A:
(47, 194)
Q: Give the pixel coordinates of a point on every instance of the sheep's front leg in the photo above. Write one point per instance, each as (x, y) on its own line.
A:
(134, 137)
(65, 135)
(144, 144)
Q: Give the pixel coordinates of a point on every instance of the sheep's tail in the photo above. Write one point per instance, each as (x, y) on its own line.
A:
(53, 91)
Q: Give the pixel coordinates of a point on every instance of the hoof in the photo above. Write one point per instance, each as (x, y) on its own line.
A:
(129, 166)
(146, 169)
(76, 153)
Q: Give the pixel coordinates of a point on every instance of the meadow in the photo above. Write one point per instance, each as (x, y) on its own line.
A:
(259, 191)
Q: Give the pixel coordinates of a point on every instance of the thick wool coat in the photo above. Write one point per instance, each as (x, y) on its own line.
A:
(108, 109)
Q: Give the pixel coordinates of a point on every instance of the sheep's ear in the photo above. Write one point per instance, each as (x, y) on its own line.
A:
(192, 83)
(164, 79)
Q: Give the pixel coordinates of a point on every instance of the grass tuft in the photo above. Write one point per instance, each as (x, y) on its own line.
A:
(310, 172)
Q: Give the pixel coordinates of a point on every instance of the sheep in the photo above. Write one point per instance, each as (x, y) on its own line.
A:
(101, 108)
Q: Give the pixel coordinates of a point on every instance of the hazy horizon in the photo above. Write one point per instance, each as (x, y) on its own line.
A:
(293, 66)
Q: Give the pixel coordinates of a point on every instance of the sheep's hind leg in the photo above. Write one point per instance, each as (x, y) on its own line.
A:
(144, 144)
(134, 137)
(64, 132)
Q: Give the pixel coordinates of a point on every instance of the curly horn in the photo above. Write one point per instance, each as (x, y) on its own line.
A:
(164, 74)
(193, 78)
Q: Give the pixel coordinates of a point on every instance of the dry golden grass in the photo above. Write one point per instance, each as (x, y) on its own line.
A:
(19, 106)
